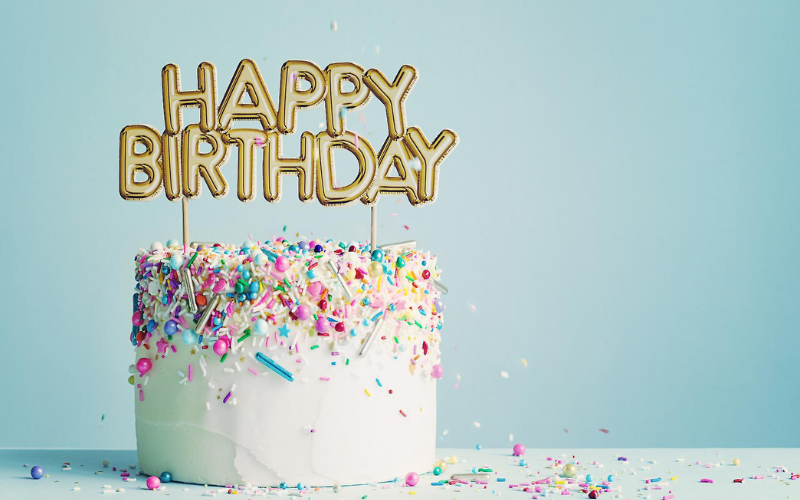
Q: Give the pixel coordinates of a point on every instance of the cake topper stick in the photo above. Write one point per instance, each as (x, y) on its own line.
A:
(185, 210)
(373, 238)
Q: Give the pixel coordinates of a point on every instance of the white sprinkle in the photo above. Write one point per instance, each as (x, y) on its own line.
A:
(180, 374)
(208, 406)
(77, 488)
(228, 370)
(504, 374)
(334, 26)
(511, 437)
(477, 424)
(146, 379)
(238, 368)
(233, 387)
(445, 432)
(211, 386)
(377, 49)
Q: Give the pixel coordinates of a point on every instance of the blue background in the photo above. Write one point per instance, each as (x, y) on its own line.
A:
(621, 210)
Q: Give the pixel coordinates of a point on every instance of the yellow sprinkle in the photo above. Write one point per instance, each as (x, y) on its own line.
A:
(380, 281)
(561, 482)
(524, 361)
(673, 478)
(412, 492)
(367, 393)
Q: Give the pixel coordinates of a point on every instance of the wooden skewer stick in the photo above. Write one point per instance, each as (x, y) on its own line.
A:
(373, 238)
(185, 210)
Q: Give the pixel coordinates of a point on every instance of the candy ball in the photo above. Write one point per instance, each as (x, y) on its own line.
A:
(137, 319)
(437, 372)
(302, 312)
(220, 347)
(170, 327)
(519, 449)
(426, 274)
(400, 262)
(478, 447)
(323, 326)
(156, 246)
(283, 486)
(589, 478)
(303, 245)
(570, 470)
(439, 305)
(189, 336)
(176, 261)
(172, 242)
(143, 366)
(130, 380)
(442, 464)
(105, 463)
(375, 269)
(261, 327)
(153, 482)
(166, 477)
(437, 471)
(737, 462)
(281, 263)
(247, 244)
(37, 472)
(377, 255)
(318, 248)
(610, 478)
(299, 486)
(258, 257)
(412, 478)
(594, 494)
(523, 463)
(453, 459)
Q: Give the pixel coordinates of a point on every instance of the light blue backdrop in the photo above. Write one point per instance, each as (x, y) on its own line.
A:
(622, 210)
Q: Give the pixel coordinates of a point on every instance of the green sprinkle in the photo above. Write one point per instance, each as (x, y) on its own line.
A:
(246, 334)
(284, 229)
(315, 347)
(315, 316)
(222, 359)
(396, 341)
(417, 323)
(192, 260)
(485, 470)
(243, 282)
(287, 283)
(347, 361)
(278, 287)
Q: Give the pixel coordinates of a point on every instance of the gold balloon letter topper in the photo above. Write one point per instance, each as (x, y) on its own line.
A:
(174, 160)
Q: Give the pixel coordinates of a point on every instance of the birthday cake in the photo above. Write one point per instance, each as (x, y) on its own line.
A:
(306, 363)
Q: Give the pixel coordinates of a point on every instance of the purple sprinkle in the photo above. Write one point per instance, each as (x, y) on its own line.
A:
(226, 398)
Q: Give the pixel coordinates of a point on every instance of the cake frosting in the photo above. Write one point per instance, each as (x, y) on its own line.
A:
(305, 363)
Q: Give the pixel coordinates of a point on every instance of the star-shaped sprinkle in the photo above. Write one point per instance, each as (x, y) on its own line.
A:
(162, 346)
(284, 331)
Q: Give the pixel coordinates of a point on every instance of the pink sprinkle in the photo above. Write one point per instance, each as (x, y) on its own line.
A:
(403, 413)
(190, 372)
(668, 497)
(253, 371)
(407, 229)
(564, 492)
(604, 431)
(758, 477)
(173, 349)
(326, 379)
(356, 134)
(706, 480)
(141, 395)
(271, 303)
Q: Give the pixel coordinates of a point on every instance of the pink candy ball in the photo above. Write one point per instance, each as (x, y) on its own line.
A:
(437, 371)
(315, 289)
(281, 263)
(412, 478)
(137, 319)
(302, 312)
(323, 326)
(143, 366)
(519, 449)
(153, 482)
(220, 347)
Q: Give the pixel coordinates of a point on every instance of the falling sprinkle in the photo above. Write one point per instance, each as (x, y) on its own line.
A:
(511, 437)
(395, 214)
(445, 432)
(504, 374)
(284, 228)
(524, 361)
(566, 431)
(103, 417)
(604, 431)
(378, 49)
(334, 26)
(477, 425)
(405, 227)
(472, 306)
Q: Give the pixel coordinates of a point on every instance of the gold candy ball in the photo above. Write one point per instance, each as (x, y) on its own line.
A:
(453, 459)
(375, 269)
(442, 464)
(737, 462)
(570, 470)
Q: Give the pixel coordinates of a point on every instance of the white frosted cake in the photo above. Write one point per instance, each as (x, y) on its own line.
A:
(310, 362)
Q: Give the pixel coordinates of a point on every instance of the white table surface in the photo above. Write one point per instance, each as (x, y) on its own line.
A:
(776, 465)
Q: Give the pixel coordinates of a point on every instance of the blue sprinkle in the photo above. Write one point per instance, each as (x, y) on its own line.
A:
(379, 382)
(501, 480)
(380, 313)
